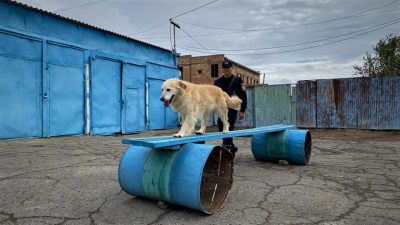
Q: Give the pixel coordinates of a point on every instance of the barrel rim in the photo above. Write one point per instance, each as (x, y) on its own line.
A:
(221, 204)
(307, 147)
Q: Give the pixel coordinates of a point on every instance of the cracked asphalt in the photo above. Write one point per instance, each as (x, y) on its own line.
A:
(74, 180)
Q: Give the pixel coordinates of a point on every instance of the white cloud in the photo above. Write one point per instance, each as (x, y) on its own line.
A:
(293, 72)
(125, 16)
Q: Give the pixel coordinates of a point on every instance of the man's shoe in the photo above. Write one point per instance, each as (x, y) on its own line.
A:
(233, 150)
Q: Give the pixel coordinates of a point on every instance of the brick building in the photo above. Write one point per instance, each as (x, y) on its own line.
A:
(206, 69)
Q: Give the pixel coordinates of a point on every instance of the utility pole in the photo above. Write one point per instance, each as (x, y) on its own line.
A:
(175, 25)
(264, 79)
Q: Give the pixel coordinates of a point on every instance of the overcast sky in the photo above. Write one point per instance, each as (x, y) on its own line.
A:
(284, 22)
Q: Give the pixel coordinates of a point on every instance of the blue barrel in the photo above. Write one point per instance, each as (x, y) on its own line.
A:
(291, 145)
(197, 176)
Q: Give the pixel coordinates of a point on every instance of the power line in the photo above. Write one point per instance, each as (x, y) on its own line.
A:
(300, 49)
(195, 41)
(377, 7)
(285, 46)
(274, 28)
(293, 26)
(299, 25)
(148, 29)
(172, 18)
(170, 36)
(194, 9)
(79, 6)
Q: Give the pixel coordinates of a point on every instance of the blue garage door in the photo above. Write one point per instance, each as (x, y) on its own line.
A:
(20, 87)
(105, 96)
(160, 117)
(133, 95)
(156, 107)
(66, 90)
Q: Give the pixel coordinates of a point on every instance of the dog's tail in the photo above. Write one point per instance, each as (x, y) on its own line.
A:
(234, 102)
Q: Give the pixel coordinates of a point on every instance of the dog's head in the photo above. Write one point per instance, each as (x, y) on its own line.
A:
(170, 89)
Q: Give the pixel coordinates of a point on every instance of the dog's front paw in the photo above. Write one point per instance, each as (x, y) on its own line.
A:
(225, 131)
(177, 135)
(199, 132)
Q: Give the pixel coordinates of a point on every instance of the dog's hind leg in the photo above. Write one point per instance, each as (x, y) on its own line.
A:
(223, 115)
(203, 124)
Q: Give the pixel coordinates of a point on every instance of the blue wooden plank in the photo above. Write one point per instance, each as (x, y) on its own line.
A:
(154, 142)
(211, 136)
(156, 138)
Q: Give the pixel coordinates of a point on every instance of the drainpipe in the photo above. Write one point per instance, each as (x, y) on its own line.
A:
(147, 104)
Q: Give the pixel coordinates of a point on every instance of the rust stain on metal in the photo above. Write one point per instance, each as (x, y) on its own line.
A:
(335, 88)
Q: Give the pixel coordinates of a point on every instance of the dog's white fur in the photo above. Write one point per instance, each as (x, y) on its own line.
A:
(194, 102)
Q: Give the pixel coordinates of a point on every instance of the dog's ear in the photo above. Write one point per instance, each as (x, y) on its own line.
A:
(182, 85)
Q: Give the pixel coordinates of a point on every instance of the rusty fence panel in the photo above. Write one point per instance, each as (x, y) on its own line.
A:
(380, 103)
(364, 103)
(348, 102)
(327, 103)
(293, 105)
(391, 115)
(248, 120)
(306, 105)
(272, 105)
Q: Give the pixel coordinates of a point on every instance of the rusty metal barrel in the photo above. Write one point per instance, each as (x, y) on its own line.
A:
(196, 176)
(291, 145)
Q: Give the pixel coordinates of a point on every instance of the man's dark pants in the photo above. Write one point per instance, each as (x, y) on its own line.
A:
(232, 117)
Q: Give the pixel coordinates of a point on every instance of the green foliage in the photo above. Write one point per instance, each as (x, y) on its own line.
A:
(383, 61)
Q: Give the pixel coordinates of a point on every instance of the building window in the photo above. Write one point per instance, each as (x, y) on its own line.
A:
(200, 71)
(214, 70)
(247, 80)
(181, 71)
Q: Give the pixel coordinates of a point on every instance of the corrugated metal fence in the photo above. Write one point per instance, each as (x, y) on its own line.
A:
(273, 105)
(269, 105)
(362, 103)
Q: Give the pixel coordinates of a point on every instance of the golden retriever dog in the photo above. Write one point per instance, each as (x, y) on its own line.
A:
(194, 102)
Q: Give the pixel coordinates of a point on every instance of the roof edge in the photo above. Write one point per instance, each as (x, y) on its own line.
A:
(226, 58)
(81, 23)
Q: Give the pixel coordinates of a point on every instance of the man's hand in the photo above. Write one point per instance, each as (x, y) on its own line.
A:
(241, 115)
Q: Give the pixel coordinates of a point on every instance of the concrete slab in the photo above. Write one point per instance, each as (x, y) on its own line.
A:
(74, 180)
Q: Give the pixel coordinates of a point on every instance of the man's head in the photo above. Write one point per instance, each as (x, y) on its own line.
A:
(227, 68)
